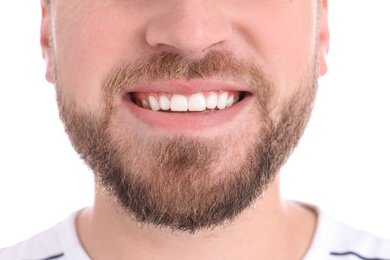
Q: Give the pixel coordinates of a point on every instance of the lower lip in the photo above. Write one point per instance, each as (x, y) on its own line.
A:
(187, 121)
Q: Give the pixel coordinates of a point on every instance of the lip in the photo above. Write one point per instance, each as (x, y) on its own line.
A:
(186, 87)
(185, 121)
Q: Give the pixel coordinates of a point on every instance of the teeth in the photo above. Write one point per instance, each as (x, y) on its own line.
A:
(164, 103)
(230, 101)
(212, 101)
(197, 102)
(181, 103)
(221, 103)
(154, 103)
(145, 104)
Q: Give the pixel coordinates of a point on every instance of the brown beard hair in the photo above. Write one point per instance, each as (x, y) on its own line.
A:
(182, 192)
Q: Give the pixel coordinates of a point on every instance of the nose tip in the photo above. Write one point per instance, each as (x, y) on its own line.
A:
(189, 27)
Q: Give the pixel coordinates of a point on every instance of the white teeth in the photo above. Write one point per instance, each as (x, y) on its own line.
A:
(230, 101)
(212, 101)
(197, 102)
(164, 102)
(179, 103)
(154, 103)
(145, 104)
(221, 104)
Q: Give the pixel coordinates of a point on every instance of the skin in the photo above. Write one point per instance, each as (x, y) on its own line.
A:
(84, 40)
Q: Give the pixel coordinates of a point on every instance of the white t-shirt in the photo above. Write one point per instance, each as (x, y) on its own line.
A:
(333, 240)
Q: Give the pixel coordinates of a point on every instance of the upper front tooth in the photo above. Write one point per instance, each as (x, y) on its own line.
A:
(154, 105)
(212, 101)
(197, 102)
(179, 103)
(222, 98)
(164, 102)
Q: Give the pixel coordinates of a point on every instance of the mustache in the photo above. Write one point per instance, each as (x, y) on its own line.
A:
(218, 64)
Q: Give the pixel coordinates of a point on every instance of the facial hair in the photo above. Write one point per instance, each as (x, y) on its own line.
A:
(183, 182)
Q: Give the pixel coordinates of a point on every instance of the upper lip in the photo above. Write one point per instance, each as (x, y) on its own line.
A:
(187, 87)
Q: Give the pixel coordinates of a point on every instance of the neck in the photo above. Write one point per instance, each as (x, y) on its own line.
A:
(270, 229)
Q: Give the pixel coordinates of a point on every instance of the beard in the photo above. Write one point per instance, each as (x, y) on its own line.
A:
(185, 182)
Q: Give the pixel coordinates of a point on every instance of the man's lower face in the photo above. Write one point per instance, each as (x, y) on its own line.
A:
(184, 181)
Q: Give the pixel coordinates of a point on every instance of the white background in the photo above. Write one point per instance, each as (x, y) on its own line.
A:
(342, 163)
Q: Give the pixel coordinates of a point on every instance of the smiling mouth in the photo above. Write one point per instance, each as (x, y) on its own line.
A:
(197, 102)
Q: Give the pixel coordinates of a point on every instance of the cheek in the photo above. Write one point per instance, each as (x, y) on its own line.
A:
(88, 48)
(293, 58)
(283, 37)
